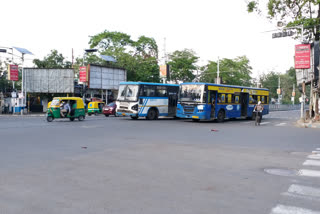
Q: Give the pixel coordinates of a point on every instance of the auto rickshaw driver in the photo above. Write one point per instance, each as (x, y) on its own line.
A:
(65, 108)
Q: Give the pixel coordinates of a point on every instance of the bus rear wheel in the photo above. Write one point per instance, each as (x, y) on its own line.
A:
(220, 116)
(152, 114)
(134, 118)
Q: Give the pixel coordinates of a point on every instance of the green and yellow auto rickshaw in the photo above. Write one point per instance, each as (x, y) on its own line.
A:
(95, 107)
(58, 108)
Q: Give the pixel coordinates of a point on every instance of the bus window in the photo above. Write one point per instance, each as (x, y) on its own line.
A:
(149, 91)
(259, 98)
(161, 91)
(254, 99)
(262, 99)
(250, 99)
(237, 99)
(220, 99)
(229, 98)
(223, 98)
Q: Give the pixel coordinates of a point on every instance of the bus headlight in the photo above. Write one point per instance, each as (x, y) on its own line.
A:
(200, 107)
(135, 107)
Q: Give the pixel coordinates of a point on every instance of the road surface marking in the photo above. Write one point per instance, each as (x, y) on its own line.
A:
(264, 123)
(311, 163)
(281, 124)
(304, 190)
(282, 209)
(309, 173)
(314, 156)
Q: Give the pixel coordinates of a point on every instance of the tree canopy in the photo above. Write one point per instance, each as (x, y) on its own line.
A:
(139, 58)
(233, 71)
(287, 81)
(293, 13)
(53, 60)
(182, 65)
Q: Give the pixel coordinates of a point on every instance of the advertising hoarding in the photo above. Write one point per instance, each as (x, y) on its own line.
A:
(302, 56)
(82, 74)
(13, 72)
(107, 78)
(164, 71)
(311, 73)
(41, 80)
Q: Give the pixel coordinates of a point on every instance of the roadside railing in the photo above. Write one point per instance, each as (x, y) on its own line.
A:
(285, 107)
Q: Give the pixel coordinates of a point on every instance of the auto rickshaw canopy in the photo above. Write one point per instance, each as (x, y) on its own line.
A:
(56, 101)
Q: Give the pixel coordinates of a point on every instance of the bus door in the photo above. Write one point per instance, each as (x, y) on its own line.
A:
(212, 96)
(172, 100)
(244, 98)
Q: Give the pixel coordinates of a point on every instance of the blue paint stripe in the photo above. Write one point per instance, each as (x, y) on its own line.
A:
(143, 106)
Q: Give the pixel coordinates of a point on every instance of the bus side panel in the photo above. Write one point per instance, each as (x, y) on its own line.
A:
(250, 110)
(160, 103)
(233, 111)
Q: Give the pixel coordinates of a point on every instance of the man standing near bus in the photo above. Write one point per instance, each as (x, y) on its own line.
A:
(259, 108)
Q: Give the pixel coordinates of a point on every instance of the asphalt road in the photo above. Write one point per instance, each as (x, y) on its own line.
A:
(119, 165)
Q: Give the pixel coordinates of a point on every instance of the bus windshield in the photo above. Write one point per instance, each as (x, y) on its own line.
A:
(191, 93)
(128, 92)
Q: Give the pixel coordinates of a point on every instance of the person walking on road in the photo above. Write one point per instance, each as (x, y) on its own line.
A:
(258, 109)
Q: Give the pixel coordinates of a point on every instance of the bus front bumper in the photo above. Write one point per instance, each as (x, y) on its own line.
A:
(191, 116)
(127, 114)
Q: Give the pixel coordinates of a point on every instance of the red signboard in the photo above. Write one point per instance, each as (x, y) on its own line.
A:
(13, 72)
(83, 74)
(302, 56)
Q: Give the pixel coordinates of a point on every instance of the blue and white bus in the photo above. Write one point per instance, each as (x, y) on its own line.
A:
(207, 101)
(150, 100)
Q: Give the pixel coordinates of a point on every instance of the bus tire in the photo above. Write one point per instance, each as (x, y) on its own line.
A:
(195, 120)
(134, 118)
(221, 116)
(152, 114)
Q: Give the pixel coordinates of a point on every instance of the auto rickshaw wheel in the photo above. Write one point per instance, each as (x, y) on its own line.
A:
(81, 118)
(49, 119)
(71, 118)
(96, 114)
(89, 114)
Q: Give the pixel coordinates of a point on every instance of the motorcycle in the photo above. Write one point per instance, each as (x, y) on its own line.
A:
(258, 117)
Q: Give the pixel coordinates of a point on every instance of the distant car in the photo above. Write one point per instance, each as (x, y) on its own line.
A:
(110, 109)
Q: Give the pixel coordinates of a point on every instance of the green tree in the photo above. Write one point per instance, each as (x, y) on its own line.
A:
(53, 60)
(139, 57)
(287, 80)
(294, 13)
(4, 83)
(182, 65)
(233, 71)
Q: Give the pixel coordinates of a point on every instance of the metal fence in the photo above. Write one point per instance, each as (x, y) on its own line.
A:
(284, 107)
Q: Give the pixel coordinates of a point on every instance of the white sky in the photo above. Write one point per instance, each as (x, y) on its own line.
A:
(211, 28)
